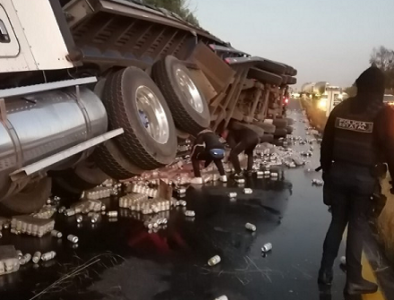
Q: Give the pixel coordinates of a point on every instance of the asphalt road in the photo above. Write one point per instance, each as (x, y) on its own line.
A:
(121, 260)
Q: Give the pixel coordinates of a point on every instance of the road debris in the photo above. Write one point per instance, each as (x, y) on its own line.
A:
(56, 234)
(250, 227)
(190, 213)
(9, 260)
(112, 214)
(25, 259)
(181, 203)
(232, 195)
(98, 193)
(213, 261)
(248, 191)
(72, 238)
(266, 248)
(36, 257)
(317, 182)
(95, 217)
(31, 226)
(46, 212)
(224, 297)
(69, 212)
(48, 256)
(131, 200)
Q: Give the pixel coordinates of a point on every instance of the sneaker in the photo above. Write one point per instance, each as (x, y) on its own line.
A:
(197, 180)
(223, 178)
(360, 287)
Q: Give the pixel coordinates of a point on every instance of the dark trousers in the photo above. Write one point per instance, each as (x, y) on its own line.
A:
(205, 156)
(349, 189)
(248, 144)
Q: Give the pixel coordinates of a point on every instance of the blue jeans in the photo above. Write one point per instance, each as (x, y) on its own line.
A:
(349, 188)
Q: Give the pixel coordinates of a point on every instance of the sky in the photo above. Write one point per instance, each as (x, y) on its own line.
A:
(325, 40)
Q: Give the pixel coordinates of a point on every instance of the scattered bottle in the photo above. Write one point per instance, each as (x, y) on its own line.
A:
(95, 218)
(56, 234)
(250, 227)
(48, 256)
(213, 261)
(190, 213)
(69, 212)
(26, 258)
(248, 191)
(36, 257)
(72, 238)
(232, 195)
(266, 248)
(112, 214)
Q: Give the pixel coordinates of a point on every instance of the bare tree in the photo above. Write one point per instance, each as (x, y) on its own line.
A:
(179, 7)
(383, 58)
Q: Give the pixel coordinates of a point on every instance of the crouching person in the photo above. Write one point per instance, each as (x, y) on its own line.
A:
(243, 138)
(207, 147)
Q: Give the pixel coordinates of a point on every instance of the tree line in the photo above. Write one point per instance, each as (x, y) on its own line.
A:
(383, 58)
(180, 7)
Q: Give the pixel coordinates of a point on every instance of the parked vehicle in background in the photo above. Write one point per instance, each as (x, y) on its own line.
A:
(92, 89)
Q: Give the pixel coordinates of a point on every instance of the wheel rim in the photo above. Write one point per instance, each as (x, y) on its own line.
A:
(152, 115)
(189, 90)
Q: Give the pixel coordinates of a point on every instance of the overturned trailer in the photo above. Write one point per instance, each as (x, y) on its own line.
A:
(91, 89)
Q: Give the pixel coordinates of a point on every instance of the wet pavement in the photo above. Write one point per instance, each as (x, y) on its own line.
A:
(121, 260)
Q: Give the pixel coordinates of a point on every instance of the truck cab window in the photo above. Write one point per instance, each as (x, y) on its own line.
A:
(4, 36)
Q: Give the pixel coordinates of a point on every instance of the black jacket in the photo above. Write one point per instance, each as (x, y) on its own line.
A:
(384, 132)
(370, 92)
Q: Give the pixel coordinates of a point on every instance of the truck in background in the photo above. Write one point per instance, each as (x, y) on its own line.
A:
(93, 89)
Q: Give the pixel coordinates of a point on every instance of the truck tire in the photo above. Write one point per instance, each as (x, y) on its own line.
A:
(280, 132)
(135, 103)
(268, 128)
(188, 106)
(271, 66)
(280, 123)
(285, 79)
(68, 184)
(113, 162)
(292, 80)
(264, 76)
(293, 72)
(267, 138)
(290, 121)
(72, 182)
(30, 199)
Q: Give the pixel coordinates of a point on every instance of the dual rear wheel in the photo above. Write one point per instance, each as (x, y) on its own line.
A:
(151, 110)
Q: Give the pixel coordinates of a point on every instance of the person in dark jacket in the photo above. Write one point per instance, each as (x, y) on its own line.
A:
(243, 138)
(358, 136)
(207, 147)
